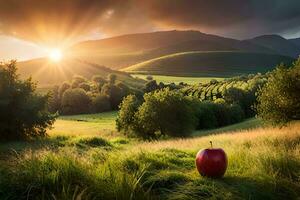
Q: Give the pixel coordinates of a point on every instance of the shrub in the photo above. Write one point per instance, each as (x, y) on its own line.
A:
(163, 112)
(245, 98)
(23, 113)
(101, 104)
(278, 100)
(75, 101)
(213, 115)
(125, 120)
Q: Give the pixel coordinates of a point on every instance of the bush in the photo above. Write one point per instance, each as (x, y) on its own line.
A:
(23, 113)
(101, 104)
(75, 101)
(163, 112)
(125, 120)
(213, 115)
(278, 100)
(245, 98)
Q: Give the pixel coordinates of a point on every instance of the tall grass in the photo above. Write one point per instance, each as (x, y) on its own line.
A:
(264, 163)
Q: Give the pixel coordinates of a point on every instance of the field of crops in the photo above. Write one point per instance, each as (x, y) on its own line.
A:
(177, 79)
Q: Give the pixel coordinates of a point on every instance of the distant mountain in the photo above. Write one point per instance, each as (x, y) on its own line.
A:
(295, 41)
(217, 64)
(47, 73)
(122, 51)
(277, 44)
(165, 52)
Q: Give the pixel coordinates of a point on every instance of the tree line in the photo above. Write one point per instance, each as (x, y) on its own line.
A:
(157, 110)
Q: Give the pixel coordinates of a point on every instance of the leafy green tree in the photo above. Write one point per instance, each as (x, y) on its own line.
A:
(85, 86)
(126, 116)
(151, 86)
(63, 88)
(99, 80)
(55, 100)
(77, 80)
(112, 78)
(23, 112)
(75, 101)
(101, 103)
(279, 99)
(165, 112)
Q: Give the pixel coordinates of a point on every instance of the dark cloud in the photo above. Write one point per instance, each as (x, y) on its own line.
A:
(50, 21)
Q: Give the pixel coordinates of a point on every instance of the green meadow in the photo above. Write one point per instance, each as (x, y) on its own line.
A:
(84, 157)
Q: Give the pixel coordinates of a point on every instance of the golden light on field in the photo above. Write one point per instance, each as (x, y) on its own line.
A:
(55, 55)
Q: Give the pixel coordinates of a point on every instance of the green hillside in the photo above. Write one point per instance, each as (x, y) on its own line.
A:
(47, 73)
(126, 50)
(217, 63)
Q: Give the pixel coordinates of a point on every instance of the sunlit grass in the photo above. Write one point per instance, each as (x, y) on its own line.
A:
(78, 162)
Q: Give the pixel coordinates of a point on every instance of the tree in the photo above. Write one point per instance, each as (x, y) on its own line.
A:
(85, 86)
(55, 100)
(23, 112)
(163, 112)
(126, 116)
(112, 78)
(75, 101)
(278, 100)
(63, 88)
(99, 81)
(151, 86)
(101, 103)
(77, 80)
(116, 93)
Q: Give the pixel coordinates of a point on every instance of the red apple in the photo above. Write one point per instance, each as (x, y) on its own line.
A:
(211, 162)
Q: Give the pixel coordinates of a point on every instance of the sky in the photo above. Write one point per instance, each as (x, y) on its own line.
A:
(29, 27)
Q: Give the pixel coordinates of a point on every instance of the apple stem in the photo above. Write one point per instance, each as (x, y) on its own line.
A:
(211, 146)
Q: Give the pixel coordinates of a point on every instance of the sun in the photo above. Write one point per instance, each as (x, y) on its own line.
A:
(55, 55)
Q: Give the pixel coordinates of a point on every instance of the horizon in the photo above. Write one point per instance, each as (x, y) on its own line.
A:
(28, 29)
(41, 52)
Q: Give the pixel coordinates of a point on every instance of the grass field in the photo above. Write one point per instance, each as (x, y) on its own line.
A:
(209, 64)
(177, 79)
(85, 158)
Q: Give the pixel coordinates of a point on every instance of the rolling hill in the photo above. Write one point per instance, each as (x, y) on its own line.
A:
(167, 53)
(213, 63)
(47, 73)
(296, 41)
(278, 44)
(123, 51)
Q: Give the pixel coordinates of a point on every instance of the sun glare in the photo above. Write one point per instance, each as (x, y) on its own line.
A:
(55, 55)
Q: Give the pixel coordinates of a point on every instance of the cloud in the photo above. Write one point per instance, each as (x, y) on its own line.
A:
(53, 21)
